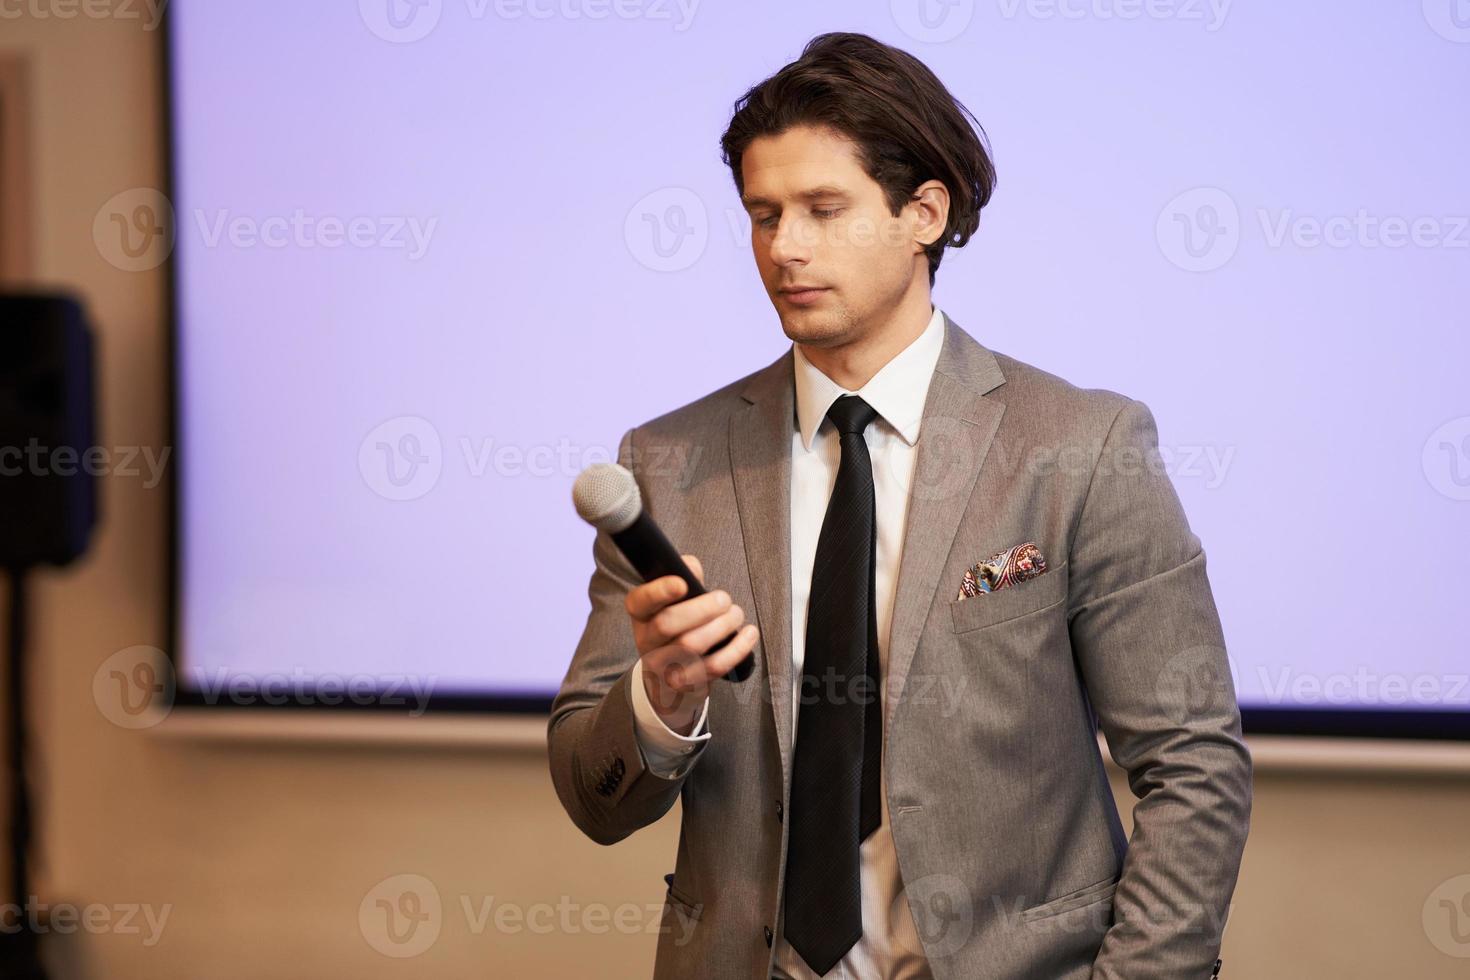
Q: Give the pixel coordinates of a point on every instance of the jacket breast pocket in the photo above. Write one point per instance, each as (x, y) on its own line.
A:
(1011, 602)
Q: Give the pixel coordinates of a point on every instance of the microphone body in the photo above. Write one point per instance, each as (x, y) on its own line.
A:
(648, 550)
(606, 496)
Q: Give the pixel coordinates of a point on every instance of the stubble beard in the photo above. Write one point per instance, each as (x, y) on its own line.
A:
(828, 328)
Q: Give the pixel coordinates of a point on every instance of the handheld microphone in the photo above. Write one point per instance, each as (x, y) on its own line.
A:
(606, 496)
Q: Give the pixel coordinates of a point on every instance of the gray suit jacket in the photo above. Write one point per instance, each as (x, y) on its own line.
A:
(1012, 854)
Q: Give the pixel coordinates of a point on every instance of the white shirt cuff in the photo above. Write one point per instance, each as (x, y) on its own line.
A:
(664, 749)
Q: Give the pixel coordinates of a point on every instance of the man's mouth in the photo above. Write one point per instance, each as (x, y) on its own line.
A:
(801, 294)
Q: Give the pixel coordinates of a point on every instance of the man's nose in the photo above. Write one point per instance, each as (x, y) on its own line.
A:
(790, 244)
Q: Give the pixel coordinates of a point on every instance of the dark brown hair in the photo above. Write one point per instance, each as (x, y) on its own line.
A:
(908, 127)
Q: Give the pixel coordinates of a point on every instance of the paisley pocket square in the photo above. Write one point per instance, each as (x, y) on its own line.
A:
(1002, 570)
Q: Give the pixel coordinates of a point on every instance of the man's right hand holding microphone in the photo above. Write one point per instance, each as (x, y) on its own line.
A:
(672, 634)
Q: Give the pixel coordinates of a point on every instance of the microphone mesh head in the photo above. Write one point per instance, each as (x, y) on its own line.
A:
(607, 497)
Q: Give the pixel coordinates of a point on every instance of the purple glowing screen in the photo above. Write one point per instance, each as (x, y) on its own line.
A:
(434, 258)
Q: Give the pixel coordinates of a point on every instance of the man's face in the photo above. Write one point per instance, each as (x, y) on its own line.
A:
(818, 219)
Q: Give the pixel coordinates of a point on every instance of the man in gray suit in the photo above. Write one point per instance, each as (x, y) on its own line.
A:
(952, 570)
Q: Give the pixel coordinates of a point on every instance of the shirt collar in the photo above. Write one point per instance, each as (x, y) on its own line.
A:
(897, 391)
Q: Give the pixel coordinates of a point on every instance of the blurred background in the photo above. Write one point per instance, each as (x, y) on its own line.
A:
(368, 282)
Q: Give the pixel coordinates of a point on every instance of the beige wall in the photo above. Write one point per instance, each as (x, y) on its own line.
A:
(263, 851)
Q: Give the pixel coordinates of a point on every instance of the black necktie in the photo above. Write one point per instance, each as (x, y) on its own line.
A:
(834, 775)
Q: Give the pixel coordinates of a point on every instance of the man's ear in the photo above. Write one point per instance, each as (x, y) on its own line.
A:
(930, 204)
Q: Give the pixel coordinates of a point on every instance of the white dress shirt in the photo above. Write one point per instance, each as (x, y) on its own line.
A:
(889, 946)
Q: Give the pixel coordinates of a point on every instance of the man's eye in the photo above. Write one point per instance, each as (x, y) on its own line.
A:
(767, 221)
(834, 212)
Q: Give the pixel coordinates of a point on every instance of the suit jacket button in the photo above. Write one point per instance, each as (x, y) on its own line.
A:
(768, 935)
(780, 811)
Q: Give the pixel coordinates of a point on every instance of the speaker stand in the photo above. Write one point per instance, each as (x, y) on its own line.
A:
(19, 947)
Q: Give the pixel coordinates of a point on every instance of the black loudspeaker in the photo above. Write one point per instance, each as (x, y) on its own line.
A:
(49, 460)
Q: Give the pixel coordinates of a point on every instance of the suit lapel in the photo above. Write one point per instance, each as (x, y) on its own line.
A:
(954, 437)
(760, 461)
